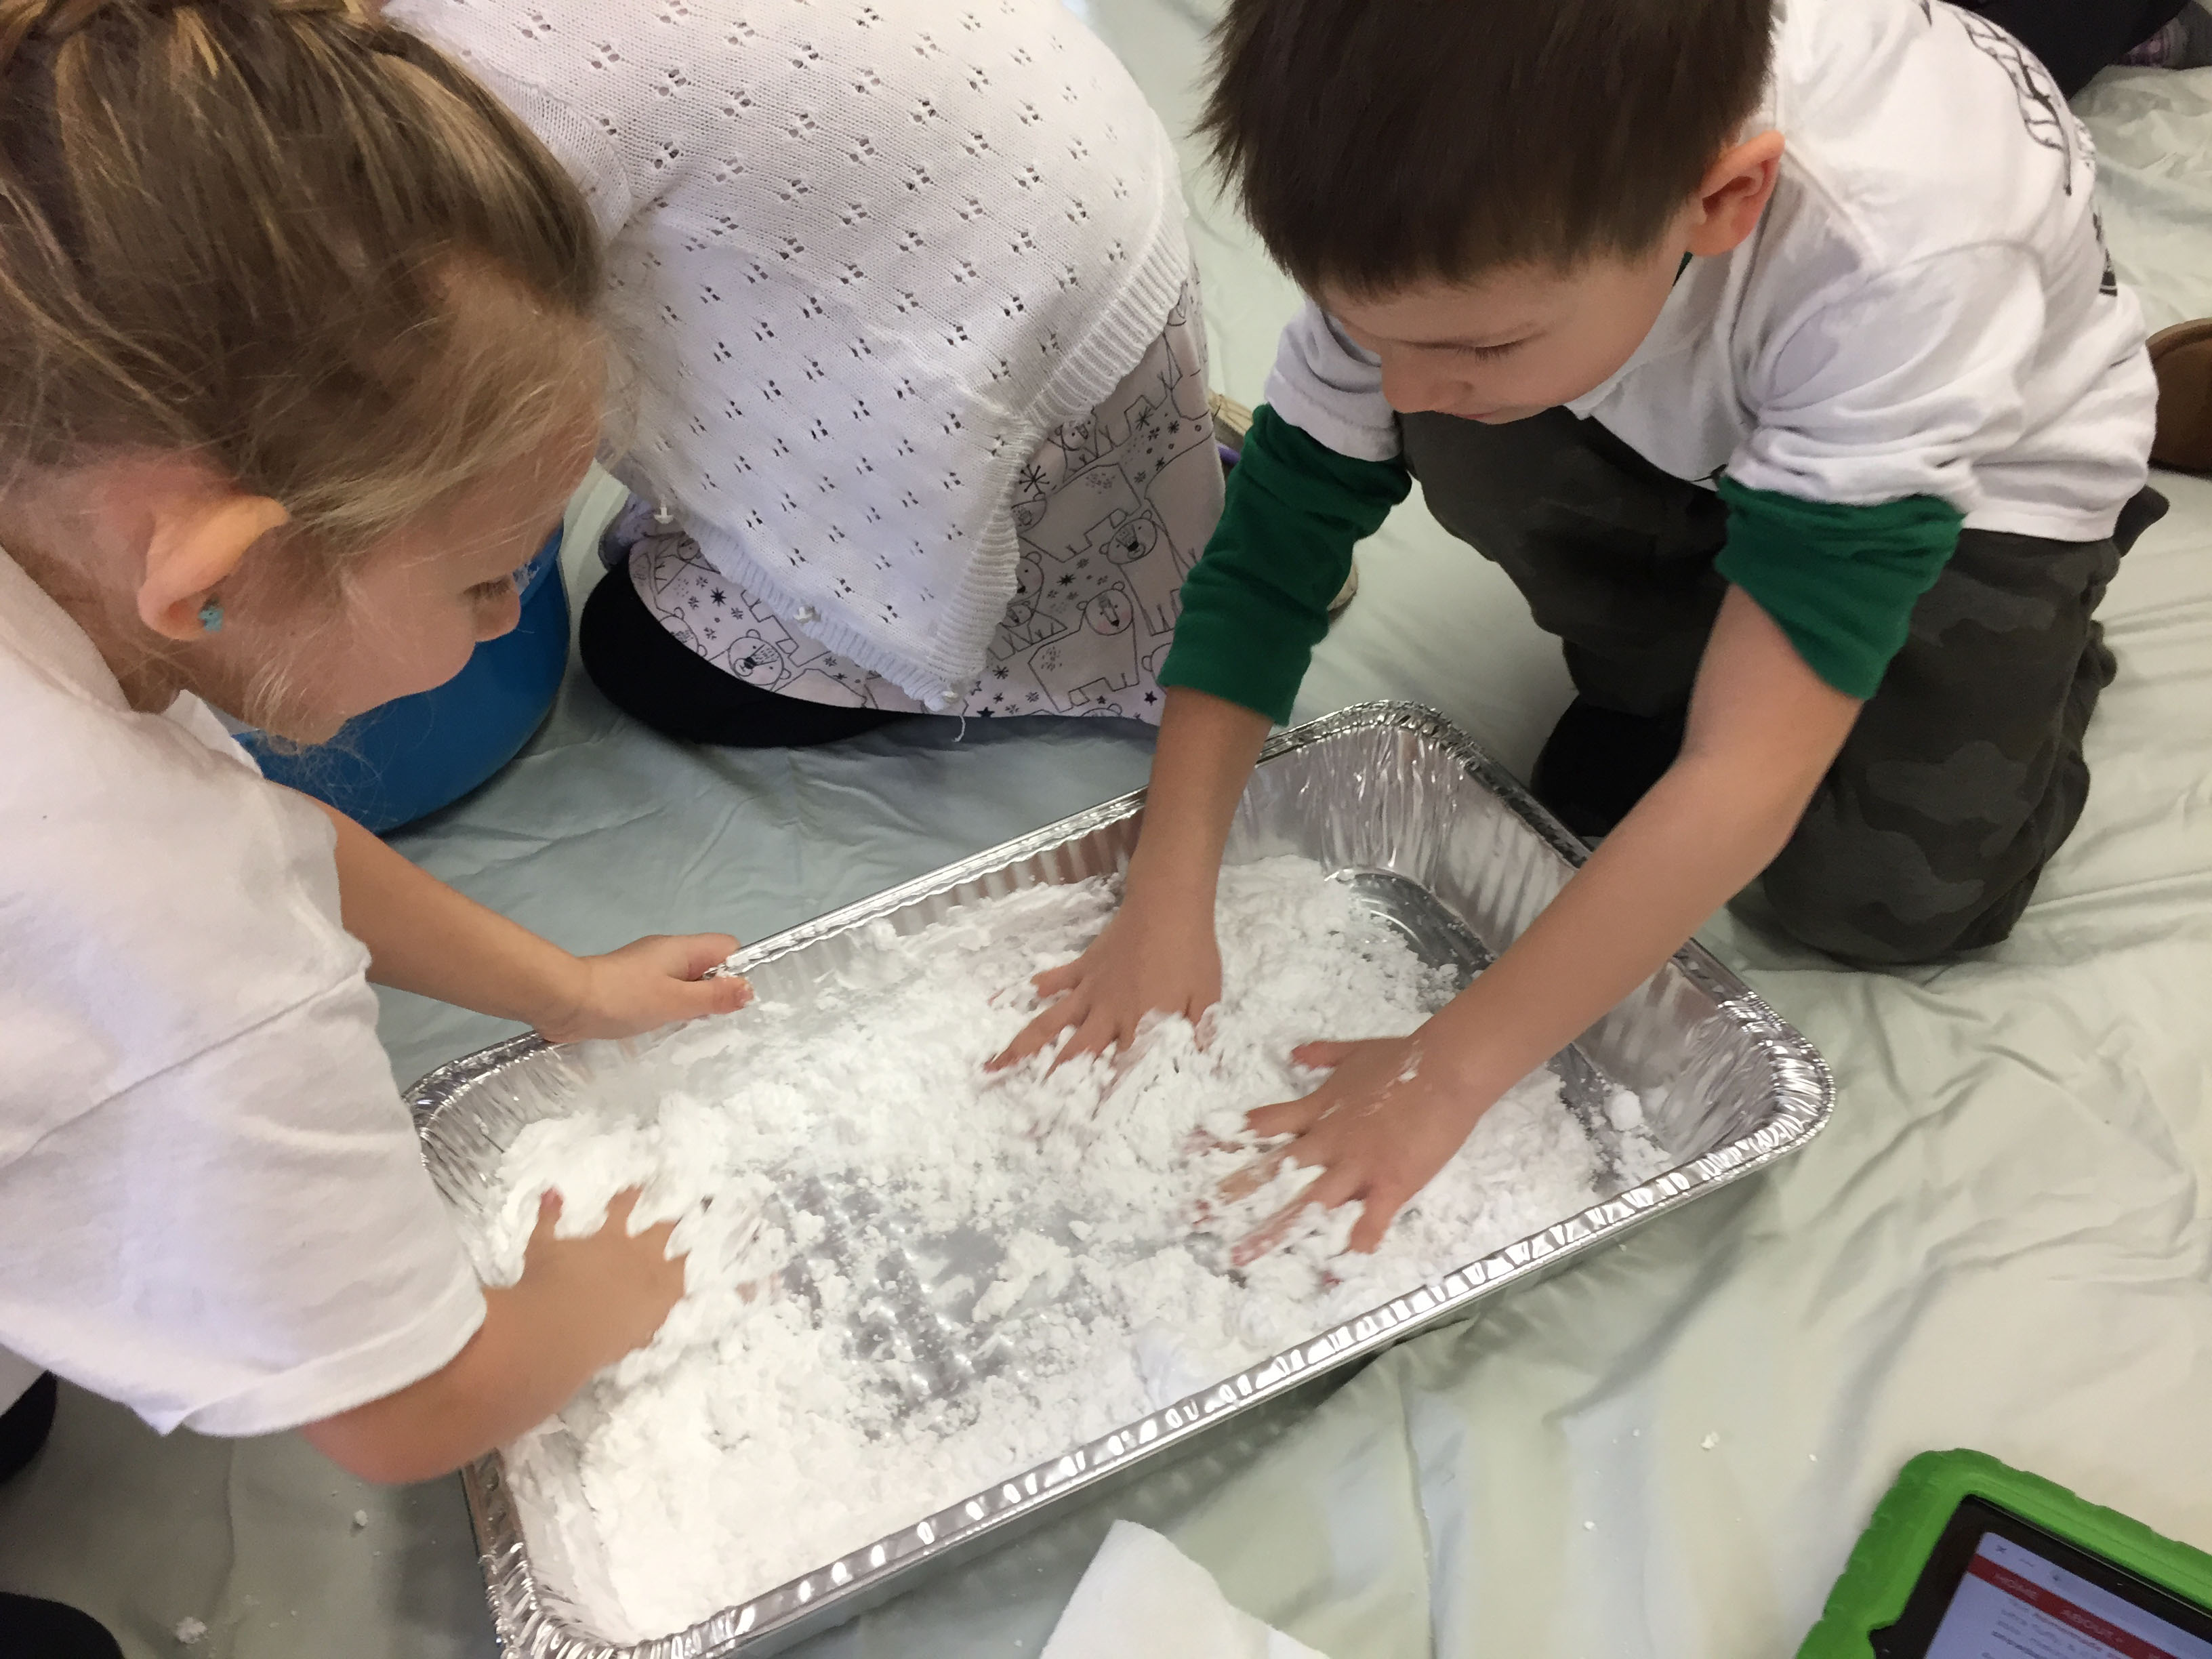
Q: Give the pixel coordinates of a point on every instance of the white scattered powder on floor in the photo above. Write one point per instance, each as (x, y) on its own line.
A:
(189, 1631)
(907, 1283)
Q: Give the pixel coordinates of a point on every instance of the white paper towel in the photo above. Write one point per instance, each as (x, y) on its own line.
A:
(1142, 1598)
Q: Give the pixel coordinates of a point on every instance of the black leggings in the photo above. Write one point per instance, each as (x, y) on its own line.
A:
(31, 1628)
(648, 673)
(2076, 37)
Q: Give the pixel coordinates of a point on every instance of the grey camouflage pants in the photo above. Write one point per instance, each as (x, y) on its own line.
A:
(1964, 774)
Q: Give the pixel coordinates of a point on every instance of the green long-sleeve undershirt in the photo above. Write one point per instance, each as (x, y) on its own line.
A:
(1256, 604)
(1840, 581)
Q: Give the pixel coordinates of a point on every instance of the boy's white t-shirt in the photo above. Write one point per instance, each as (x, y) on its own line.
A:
(1925, 309)
(213, 1207)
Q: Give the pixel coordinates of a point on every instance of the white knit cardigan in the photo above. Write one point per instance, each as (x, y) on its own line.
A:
(863, 257)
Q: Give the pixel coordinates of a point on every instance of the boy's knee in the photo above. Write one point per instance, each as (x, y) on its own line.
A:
(1880, 897)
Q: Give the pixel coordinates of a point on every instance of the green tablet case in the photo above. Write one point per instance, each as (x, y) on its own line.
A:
(1887, 1562)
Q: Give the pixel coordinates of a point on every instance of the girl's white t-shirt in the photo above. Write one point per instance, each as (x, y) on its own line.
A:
(212, 1204)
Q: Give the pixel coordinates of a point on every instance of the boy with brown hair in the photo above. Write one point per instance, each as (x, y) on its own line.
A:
(1772, 349)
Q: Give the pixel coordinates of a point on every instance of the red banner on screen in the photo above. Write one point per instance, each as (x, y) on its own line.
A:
(2057, 1607)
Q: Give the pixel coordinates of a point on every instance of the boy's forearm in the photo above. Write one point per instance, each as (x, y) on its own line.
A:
(1671, 864)
(1762, 731)
(1207, 747)
(425, 937)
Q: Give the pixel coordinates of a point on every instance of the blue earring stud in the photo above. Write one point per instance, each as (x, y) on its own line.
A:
(211, 617)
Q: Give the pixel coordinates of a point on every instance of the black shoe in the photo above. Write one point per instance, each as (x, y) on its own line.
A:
(1598, 762)
(25, 1425)
(32, 1629)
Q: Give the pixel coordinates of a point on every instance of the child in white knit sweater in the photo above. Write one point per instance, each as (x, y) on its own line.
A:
(921, 408)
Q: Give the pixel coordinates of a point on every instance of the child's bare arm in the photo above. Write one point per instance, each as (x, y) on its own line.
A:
(580, 1304)
(1159, 952)
(1763, 730)
(1253, 608)
(425, 937)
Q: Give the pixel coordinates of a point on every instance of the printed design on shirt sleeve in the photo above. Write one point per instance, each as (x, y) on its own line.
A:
(2043, 110)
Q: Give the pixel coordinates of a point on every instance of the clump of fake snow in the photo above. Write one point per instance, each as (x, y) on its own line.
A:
(908, 1282)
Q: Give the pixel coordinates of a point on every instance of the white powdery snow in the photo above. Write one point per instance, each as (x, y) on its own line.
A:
(1057, 1268)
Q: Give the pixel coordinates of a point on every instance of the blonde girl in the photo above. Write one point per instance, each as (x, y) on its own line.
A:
(297, 365)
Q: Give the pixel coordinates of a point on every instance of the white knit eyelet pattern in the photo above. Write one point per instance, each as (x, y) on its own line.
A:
(862, 259)
(1112, 511)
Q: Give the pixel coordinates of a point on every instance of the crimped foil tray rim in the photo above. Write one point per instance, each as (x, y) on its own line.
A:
(1803, 1094)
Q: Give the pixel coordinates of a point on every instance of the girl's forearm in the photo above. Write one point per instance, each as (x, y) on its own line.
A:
(526, 1361)
(423, 936)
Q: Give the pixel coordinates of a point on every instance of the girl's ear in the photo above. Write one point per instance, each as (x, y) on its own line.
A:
(197, 543)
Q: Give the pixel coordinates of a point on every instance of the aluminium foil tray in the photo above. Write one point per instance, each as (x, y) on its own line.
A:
(1437, 840)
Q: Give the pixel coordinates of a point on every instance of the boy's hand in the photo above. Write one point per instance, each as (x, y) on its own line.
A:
(1151, 958)
(652, 982)
(617, 1288)
(1158, 954)
(1381, 1127)
(1763, 729)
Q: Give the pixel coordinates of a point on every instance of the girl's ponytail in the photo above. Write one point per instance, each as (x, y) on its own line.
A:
(289, 237)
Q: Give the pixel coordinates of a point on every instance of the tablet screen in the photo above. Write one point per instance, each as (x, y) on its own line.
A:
(2012, 1603)
(1997, 1587)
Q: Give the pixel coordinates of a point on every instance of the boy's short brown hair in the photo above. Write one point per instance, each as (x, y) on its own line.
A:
(1376, 144)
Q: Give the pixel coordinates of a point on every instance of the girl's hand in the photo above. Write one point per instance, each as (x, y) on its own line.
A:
(653, 982)
(1380, 1128)
(581, 1305)
(1155, 958)
(618, 1287)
